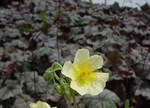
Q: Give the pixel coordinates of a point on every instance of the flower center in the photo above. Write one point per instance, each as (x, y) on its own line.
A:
(84, 75)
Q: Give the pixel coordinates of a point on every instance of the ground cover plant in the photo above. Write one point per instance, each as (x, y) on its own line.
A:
(33, 32)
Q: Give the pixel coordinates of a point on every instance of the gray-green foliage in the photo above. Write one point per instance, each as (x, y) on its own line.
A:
(104, 100)
(12, 89)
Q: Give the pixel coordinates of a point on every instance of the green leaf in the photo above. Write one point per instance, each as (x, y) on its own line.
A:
(11, 89)
(22, 101)
(34, 82)
(43, 16)
(98, 14)
(42, 51)
(127, 103)
(19, 55)
(25, 28)
(81, 21)
(101, 100)
(19, 43)
(112, 104)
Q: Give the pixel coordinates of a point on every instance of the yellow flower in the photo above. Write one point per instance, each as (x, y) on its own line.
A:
(84, 78)
(40, 104)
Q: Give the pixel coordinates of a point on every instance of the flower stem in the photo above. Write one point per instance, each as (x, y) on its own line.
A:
(74, 102)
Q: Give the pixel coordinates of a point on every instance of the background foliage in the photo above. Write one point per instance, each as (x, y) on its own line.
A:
(28, 46)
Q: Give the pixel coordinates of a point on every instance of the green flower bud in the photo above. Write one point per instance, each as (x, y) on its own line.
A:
(66, 86)
(68, 94)
(49, 74)
(58, 88)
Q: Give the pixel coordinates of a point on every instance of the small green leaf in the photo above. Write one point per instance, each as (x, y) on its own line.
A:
(126, 105)
(24, 29)
(81, 21)
(43, 16)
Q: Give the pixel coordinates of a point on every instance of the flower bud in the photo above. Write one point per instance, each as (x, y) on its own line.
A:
(48, 76)
(58, 88)
(68, 94)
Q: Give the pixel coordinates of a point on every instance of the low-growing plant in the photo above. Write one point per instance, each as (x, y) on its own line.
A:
(81, 76)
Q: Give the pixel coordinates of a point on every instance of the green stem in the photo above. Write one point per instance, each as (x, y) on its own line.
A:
(56, 76)
(74, 102)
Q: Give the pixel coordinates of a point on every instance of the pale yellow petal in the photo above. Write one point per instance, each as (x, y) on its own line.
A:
(99, 84)
(96, 62)
(94, 88)
(103, 77)
(67, 69)
(32, 105)
(81, 55)
(42, 105)
(80, 89)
